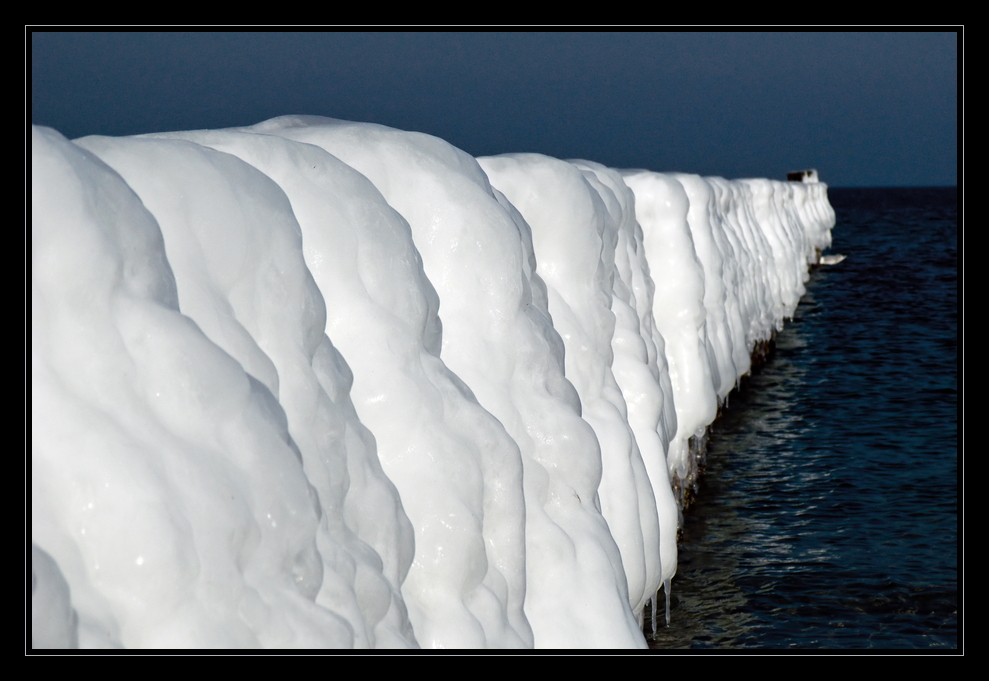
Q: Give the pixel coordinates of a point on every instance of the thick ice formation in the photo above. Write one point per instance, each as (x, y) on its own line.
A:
(251, 428)
(587, 246)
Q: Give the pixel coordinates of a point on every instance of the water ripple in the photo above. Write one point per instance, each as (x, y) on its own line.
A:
(828, 514)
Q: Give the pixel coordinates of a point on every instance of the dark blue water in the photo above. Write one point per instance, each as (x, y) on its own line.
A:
(827, 517)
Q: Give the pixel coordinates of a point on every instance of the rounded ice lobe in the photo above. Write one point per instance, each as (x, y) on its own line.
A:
(593, 283)
(218, 533)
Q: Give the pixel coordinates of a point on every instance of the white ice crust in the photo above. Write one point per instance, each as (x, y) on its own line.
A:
(315, 383)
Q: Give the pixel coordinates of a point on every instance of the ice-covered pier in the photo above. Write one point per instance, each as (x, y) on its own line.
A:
(325, 384)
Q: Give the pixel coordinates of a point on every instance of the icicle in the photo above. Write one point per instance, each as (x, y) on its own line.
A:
(666, 588)
(652, 604)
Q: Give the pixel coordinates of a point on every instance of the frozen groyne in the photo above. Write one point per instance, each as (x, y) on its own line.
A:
(317, 383)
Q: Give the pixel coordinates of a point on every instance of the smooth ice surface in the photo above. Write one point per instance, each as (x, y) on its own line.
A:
(325, 384)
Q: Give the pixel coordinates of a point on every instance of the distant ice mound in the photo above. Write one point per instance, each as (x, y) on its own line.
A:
(315, 383)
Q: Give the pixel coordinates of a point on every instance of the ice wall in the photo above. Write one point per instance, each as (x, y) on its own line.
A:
(326, 384)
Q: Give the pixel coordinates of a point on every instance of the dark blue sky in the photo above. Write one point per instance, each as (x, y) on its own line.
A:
(865, 109)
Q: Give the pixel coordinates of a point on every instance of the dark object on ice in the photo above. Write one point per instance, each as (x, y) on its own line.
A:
(802, 176)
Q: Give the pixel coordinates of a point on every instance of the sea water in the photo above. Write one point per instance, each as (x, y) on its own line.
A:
(828, 514)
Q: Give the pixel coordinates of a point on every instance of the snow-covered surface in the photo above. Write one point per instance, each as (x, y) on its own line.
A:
(317, 383)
